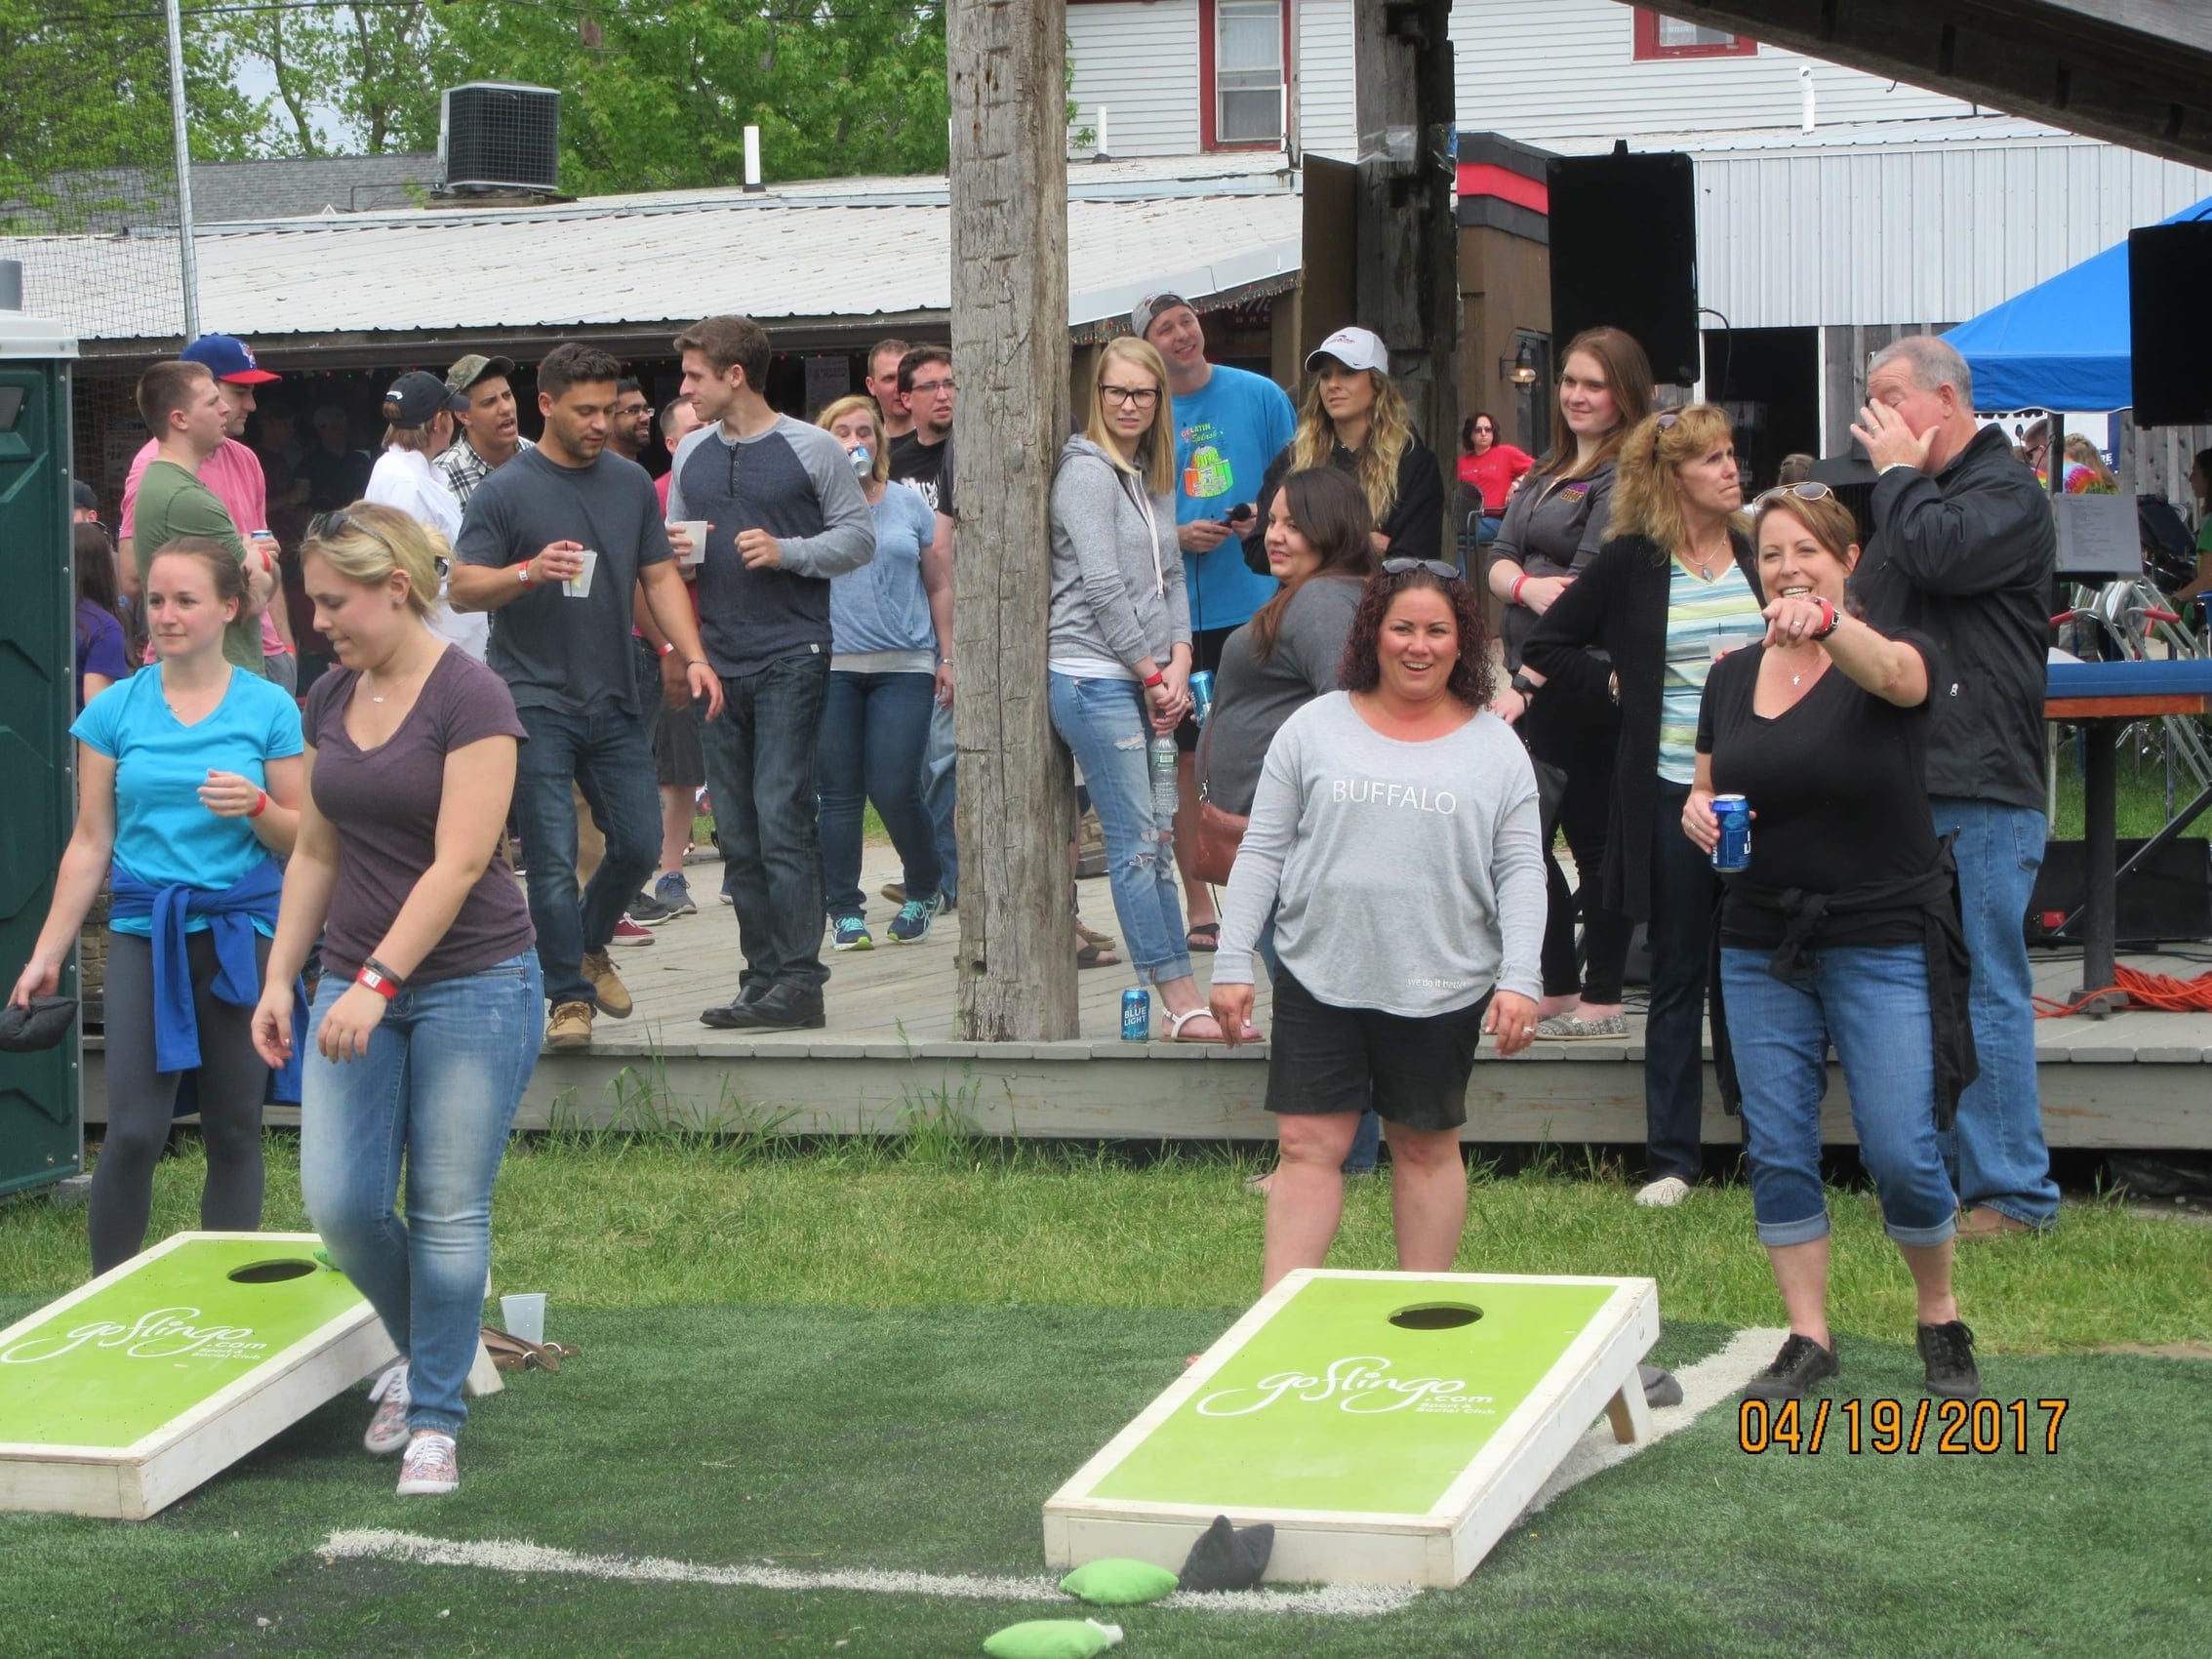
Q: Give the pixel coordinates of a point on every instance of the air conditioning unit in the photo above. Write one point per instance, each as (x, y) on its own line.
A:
(499, 136)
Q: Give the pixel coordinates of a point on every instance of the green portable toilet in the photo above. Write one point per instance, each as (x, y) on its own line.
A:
(41, 1123)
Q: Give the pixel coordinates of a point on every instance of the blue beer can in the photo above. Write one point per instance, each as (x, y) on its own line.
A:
(1201, 696)
(1733, 851)
(1136, 1016)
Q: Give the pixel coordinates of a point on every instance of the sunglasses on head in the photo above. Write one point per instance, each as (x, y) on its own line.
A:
(326, 525)
(1434, 567)
(1811, 490)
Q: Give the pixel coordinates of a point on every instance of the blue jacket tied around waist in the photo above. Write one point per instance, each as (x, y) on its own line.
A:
(230, 915)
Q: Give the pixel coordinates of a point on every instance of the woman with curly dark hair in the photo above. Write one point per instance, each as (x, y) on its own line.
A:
(1390, 965)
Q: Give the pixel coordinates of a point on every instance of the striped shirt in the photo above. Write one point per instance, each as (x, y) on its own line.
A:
(463, 468)
(1697, 613)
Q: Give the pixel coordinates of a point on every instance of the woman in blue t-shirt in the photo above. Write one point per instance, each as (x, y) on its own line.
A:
(188, 782)
(891, 659)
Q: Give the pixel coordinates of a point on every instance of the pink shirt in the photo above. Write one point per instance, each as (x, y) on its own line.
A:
(234, 473)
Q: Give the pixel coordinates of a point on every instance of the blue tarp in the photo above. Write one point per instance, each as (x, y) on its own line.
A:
(2064, 343)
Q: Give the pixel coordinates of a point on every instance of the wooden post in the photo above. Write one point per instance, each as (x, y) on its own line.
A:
(1009, 181)
(1406, 282)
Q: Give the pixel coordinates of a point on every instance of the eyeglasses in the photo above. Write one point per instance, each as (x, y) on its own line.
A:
(1129, 395)
(929, 388)
(1434, 567)
(1811, 490)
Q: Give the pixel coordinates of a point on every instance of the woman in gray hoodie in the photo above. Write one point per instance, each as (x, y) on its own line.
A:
(1119, 653)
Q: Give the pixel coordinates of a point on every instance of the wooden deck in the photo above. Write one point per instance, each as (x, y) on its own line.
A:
(890, 1052)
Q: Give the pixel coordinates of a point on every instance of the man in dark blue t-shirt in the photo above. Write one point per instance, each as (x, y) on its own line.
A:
(553, 544)
(786, 515)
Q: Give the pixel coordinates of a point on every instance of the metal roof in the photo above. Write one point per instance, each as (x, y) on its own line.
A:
(855, 249)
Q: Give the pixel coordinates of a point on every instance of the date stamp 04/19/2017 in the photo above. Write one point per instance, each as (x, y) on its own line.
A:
(1952, 1428)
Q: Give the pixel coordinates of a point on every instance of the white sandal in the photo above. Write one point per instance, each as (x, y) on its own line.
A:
(1175, 1023)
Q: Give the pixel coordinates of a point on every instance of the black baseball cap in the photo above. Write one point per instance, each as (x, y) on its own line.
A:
(416, 400)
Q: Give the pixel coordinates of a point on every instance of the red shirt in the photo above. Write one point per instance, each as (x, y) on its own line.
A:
(1493, 473)
(234, 473)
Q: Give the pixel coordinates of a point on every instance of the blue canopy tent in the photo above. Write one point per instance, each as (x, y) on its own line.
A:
(2064, 343)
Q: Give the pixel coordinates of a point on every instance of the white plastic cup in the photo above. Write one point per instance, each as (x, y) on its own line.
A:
(697, 529)
(525, 1316)
(579, 585)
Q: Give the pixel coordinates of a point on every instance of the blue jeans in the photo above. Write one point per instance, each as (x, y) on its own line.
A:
(1367, 1139)
(1683, 889)
(608, 755)
(439, 1086)
(1103, 722)
(1871, 1001)
(874, 728)
(1995, 1150)
(940, 795)
(760, 759)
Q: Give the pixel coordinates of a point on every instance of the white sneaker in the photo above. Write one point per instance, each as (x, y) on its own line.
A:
(430, 1468)
(387, 1429)
(1664, 1194)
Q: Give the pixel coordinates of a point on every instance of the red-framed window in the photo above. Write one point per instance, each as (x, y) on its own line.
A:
(1243, 71)
(1660, 38)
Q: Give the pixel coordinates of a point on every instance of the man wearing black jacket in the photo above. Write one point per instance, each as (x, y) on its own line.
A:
(1963, 551)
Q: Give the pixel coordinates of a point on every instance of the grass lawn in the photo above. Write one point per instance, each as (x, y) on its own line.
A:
(870, 1355)
(2141, 797)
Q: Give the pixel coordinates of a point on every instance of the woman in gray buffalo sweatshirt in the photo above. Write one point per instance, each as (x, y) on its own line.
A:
(1121, 651)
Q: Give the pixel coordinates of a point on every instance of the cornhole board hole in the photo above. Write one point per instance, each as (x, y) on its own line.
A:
(126, 1394)
(1391, 1426)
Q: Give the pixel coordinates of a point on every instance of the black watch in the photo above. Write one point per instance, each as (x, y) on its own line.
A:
(1527, 687)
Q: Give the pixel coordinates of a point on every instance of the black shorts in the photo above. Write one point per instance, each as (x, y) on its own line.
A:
(677, 760)
(1205, 657)
(1323, 1059)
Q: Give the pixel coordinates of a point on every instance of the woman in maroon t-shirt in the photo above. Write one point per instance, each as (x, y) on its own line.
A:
(430, 1014)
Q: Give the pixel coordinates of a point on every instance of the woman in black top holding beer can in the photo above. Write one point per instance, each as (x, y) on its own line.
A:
(1843, 928)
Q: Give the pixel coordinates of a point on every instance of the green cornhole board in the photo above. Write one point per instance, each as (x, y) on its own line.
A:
(125, 1394)
(1390, 1437)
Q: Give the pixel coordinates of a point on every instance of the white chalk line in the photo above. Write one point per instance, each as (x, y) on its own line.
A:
(1704, 1386)
(1348, 1601)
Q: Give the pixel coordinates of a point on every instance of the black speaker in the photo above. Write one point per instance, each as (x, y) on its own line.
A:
(2166, 898)
(1625, 253)
(2169, 272)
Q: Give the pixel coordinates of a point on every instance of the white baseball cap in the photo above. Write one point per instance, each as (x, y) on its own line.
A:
(1354, 348)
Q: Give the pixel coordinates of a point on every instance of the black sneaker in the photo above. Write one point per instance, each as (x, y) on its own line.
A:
(1801, 1364)
(647, 912)
(1948, 1350)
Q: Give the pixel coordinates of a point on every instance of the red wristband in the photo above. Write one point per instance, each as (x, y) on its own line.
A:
(261, 806)
(382, 984)
(1516, 593)
(1157, 678)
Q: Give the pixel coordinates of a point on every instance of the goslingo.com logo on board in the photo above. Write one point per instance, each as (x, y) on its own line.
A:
(164, 1333)
(1360, 1384)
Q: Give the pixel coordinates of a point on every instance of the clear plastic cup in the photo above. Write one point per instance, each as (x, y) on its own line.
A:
(579, 585)
(525, 1316)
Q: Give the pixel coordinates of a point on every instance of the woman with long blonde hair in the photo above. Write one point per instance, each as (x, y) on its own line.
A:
(1352, 417)
(1672, 590)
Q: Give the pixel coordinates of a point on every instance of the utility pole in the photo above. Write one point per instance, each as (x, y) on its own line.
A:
(1406, 273)
(1009, 184)
(180, 139)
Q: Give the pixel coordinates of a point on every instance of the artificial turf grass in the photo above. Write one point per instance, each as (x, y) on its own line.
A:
(927, 1439)
(663, 1221)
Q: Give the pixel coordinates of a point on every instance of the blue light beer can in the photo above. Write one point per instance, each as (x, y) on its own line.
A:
(1136, 1015)
(1201, 696)
(1733, 851)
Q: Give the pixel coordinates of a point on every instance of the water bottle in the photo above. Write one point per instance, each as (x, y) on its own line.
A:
(1160, 755)
(863, 462)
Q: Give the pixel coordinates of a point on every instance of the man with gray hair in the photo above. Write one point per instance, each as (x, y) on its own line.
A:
(1964, 552)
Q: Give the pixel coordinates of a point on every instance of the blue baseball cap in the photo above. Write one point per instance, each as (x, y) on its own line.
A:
(227, 358)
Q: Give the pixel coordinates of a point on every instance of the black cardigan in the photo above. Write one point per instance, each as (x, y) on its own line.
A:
(1415, 521)
(1619, 602)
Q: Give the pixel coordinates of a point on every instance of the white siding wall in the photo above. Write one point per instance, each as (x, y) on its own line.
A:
(1325, 122)
(1141, 60)
(1935, 232)
(1538, 69)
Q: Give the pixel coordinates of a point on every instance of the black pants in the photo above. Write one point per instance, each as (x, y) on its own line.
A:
(1684, 891)
(1578, 736)
(232, 1081)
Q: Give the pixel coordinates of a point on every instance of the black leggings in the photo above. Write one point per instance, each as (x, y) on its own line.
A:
(232, 1079)
(1580, 735)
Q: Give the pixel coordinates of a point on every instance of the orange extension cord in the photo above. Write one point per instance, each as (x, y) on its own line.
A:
(2156, 991)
